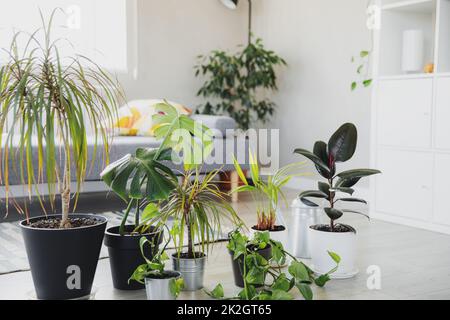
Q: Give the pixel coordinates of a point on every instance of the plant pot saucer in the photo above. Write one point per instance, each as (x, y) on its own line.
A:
(31, 295)
(337, 276)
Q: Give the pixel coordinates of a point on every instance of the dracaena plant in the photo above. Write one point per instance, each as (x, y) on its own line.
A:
(340, 148)
(257, 271)
(267, 193)
(46, 102)
(144, 176)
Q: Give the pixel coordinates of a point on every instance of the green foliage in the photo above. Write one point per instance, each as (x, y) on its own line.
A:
(266, 193)
(256, 269)
(144, 176)
(340, 148)
(49, 100)
(362, 70)
(156, 267)
(198, 207)
(234, 83)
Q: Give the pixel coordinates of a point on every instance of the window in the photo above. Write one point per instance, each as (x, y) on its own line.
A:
(94, 28)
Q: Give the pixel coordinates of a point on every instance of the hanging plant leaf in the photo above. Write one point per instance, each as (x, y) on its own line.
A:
(342, 144)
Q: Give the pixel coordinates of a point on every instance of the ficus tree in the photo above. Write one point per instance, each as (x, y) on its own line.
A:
(46, 102)
(340, 148)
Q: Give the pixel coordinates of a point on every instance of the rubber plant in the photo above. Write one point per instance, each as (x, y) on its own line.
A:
(234, 82)
(267, 193)
(258, 271)
(340, 148)
(46, 102)
(144, 177)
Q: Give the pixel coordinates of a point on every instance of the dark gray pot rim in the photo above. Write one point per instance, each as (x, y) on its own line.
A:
(114, 234)
(24, 223)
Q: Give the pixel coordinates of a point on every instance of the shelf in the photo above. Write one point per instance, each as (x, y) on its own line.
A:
(413, 6)
(407, 76)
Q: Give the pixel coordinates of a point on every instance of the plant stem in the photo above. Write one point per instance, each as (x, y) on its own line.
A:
(136, 217)
(331, 200)
(124, 219)
(189, 230)
(65, 194)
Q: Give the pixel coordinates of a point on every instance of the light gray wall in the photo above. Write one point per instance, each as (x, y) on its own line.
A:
(317, 38)
(171, 33)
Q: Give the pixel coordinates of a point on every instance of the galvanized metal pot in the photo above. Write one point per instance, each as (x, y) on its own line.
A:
(159, 289)
(192, 271)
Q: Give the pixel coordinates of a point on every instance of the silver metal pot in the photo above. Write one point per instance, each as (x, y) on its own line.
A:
(302, 218)
(159, 289)
(192, 271)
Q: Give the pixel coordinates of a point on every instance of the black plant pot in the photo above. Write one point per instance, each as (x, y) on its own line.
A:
(125, 254)
(63, 261)
(238, 265)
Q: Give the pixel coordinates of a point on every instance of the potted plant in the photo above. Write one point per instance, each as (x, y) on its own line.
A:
(48, 100)
(143, 180)
(267, 195)
(196, 208)
(233, 82)
(255, 270)
(160, 284)
(334, 236)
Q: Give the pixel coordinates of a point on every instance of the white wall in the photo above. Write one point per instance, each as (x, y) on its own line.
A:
(317, 38)
(171, 33)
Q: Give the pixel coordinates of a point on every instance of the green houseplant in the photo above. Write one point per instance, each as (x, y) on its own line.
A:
(143, 178)
(267, 193)
(234, 83)
(252, 269)
(161, 284)
(47, 100)
(196, 207)
(340, 238)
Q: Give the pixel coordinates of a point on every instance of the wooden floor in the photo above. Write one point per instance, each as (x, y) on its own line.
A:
(414, 264)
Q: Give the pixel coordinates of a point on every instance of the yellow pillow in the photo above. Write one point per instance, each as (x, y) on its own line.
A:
(136, 117)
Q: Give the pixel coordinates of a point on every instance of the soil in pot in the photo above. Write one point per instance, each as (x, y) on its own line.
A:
(125, 255)
(339, 228)
(238, 264)
(274, 229)
(192, 269)
(63, 261)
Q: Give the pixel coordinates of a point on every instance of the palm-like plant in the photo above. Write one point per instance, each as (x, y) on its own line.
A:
(48, 100)
(266, 194)
(197, 207)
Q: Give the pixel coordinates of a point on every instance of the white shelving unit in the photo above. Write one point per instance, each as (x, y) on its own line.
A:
(411, 118)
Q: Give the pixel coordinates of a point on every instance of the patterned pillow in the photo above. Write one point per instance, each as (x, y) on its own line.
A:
(135, 118)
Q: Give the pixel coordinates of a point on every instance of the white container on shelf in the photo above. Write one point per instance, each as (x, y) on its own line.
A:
(413, 51)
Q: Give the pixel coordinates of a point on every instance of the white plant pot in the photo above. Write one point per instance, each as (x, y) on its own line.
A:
(342, 243)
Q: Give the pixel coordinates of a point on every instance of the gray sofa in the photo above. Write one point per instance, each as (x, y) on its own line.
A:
(225, 145)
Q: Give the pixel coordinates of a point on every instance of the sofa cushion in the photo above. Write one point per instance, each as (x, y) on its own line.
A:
(219, 124)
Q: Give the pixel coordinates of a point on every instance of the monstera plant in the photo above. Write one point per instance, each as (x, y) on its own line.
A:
(337, 188)
(143, 179)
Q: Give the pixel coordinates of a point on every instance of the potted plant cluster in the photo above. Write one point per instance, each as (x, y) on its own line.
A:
(48, 100)
(196, 208)
(143, 180)
(267, 195)
(233, 82)
(259, 279)
(338, 187)
(160, 284)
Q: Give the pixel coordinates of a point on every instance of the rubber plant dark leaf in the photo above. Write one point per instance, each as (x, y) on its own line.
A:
(324, 187)
(342, 144)
(349, 191)
(315, 159)
(309, 203)
(347, 183)
(352, 200)
(333, 213)
(357, 212)
(320, 150)
(357, 173)
(312, 194)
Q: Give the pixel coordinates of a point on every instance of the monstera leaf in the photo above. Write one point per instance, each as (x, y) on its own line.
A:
(182, 134)
(342, 144)
(141, 175)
